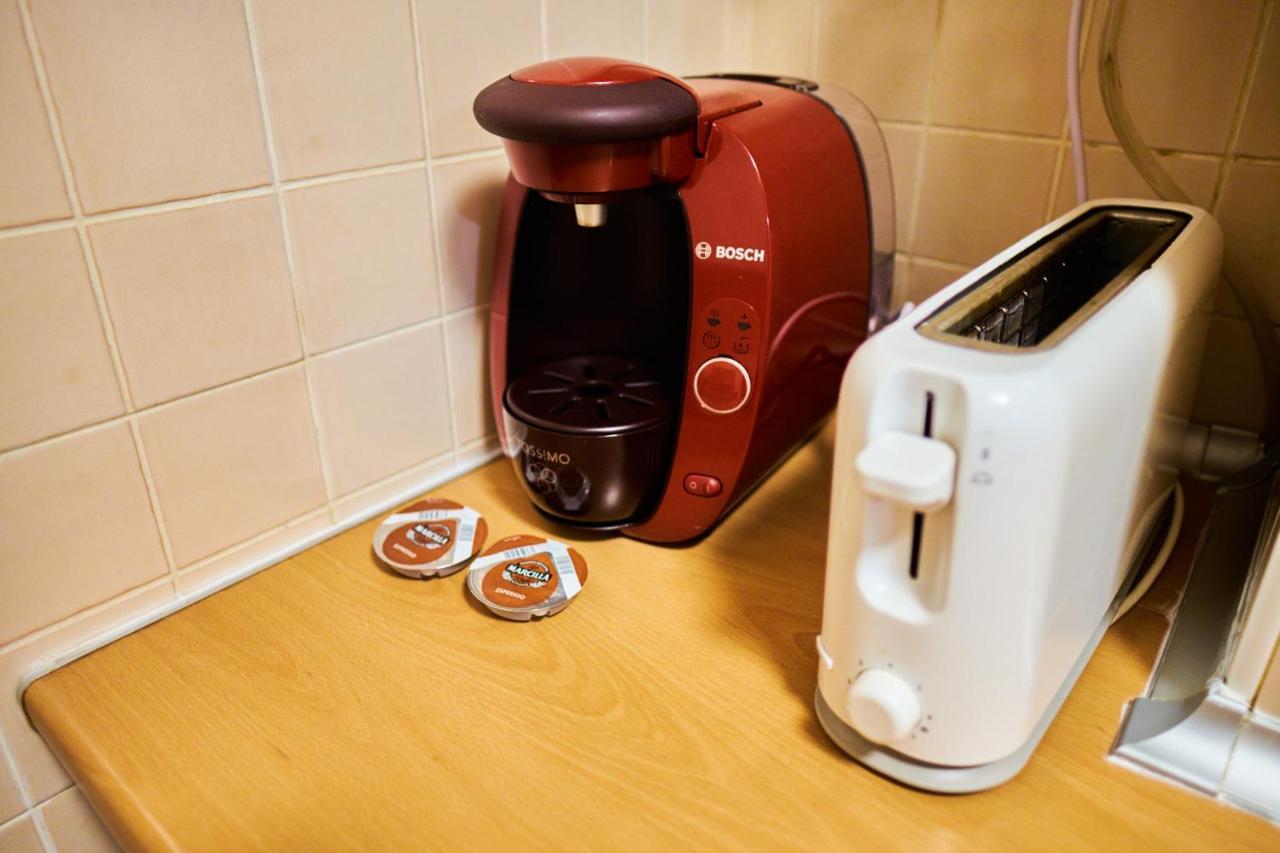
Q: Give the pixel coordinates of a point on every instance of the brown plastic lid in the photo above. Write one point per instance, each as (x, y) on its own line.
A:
(584, 100)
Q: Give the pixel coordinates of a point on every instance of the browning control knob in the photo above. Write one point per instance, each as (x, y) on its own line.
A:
(882, 707)
(721, 385)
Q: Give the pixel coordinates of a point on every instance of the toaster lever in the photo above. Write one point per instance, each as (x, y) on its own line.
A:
(913, 471)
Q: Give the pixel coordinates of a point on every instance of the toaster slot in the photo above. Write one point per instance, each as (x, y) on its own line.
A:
(1037, 298)
(917, 519)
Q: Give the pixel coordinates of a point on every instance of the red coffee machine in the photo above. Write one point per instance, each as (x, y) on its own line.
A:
(683, 269)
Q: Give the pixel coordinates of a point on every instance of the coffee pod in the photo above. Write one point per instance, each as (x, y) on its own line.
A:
(430, 538)
(523, 577)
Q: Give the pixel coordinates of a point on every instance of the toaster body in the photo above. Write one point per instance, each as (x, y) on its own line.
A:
(649, 369)
(1001, 455)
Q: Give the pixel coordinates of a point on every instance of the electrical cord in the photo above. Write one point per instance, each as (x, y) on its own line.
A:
(1144, 160)
(1161, 557)
(1074, 121)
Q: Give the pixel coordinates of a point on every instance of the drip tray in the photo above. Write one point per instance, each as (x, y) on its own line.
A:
(590, 395)
(591, 437)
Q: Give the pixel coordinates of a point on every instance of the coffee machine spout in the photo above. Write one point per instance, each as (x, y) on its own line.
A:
(591, 215)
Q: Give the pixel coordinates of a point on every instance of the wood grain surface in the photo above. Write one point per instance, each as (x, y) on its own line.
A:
(326, 703)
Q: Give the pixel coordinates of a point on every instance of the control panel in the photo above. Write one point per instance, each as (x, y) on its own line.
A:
(727, 342)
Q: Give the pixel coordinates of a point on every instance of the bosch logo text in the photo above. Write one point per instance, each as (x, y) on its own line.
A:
(729, 253)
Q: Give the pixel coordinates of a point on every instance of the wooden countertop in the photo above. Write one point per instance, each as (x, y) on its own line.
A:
(327, 703)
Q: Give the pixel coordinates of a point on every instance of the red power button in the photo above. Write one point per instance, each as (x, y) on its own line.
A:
(702, 485)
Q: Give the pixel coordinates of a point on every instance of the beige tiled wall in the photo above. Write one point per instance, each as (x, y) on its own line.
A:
(972, 98)
(232, 232)
(244, 259)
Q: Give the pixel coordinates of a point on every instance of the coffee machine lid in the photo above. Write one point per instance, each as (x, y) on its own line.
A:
(586, 100)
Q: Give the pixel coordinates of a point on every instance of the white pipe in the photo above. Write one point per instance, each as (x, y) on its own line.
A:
(1073, 101)
(1144, 160)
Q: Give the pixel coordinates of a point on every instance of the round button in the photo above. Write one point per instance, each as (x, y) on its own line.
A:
(721, 385)
(882, 707)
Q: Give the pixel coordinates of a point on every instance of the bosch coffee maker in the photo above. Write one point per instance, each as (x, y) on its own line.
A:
(683, 269)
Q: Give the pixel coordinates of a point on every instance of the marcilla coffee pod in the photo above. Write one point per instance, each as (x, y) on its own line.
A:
(522, 577)
(430, 538)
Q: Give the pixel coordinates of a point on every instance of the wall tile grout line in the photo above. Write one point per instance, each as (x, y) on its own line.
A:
(18, 818)
(725, 15)
(99, 293)
(482, 441)
(420, 69)
(9, 764)
(917, 190)
(1251, 160)
(80, 615)
(36, 228)
(257, 538)
(437, 320)
(139, 211)
(355, 174)
(986, 133)
(369, 339)
(300, 326)
(1195, 156)
(463, 156)
(153, 498)
(899, 124)
(544, 35)
(926, 259)
(644, 31)
(42, 828)
(815, 38)
(446, 456)
(1089, 144)
(1064, 133)
(73, 197)
(1055, 176)
(11, 821)
(215, 198)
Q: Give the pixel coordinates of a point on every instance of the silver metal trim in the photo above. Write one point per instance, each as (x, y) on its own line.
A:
(1190, 727)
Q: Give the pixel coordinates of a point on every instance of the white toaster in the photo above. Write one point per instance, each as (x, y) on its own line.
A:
(1003, 454)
